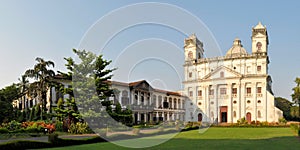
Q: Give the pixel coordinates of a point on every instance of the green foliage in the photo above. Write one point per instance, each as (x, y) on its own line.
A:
(284, 105)
(13, 125)
(7, 95)
(242, 121)
(79, 128)
(282, 120)
(296, 96)
(41, 74)
(90, 78)
(59, 126)
(4, 130)
(296, 128)
(67, 109)
(295, 112)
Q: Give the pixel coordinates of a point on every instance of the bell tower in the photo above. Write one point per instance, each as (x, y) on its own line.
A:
(193, 48)
(260, 39)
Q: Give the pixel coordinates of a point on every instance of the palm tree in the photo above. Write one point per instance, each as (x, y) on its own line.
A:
(23, 86)
(41, 74)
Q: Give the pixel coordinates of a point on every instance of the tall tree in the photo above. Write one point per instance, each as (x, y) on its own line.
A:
(284, 105)
(68, 108)
(7, 95)
(91, 88)
(296, 94)
(41, 74)
(23, 86)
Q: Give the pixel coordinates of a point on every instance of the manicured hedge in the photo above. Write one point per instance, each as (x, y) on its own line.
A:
(296, 128)
(57, 143)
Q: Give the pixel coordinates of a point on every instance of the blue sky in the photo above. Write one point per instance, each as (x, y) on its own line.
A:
(50, 29)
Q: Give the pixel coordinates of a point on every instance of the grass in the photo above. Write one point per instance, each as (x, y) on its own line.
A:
(213, 138)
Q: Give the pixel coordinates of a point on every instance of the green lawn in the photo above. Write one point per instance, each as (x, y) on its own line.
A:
(215, 138)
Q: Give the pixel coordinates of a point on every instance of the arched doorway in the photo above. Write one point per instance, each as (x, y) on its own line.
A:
(199, 117)
(248, 117)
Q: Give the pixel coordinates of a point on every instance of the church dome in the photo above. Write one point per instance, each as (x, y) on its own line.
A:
(237, 49)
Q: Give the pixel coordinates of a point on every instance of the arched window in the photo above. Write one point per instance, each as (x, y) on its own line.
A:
(258, 45)
(259, 114)
(190, 55)
(212, 114)
(234, 114)
(124, 93)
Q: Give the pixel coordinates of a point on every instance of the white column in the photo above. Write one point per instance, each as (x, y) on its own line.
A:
(181, 103)
(229, 111)
(173, 103)
(242, 97)
(138, 117)
(150, 99)
(254, 101)
(173, 116)
(168, 116)
(139, 99)
(216, 104)
(132, 97)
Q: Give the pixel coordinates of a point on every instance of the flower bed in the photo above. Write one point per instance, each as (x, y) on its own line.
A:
(27, 127)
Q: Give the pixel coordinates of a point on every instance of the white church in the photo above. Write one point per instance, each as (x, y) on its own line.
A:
(227, 88)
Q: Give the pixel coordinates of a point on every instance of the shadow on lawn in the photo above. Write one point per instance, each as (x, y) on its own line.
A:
(286, 142)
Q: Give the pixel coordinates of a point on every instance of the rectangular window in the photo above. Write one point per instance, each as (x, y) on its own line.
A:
(234, 90)
(258, 89)
(248, 69)
(191, 93)
(211, 92)
(199, 92)
(190, 74)
(223, 91)
(248, 90)
(258, 68)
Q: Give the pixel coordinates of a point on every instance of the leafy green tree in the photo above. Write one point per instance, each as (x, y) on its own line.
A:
(284, 105)
(296, 95)
(42, 75)
(7, 95)
(91, 88)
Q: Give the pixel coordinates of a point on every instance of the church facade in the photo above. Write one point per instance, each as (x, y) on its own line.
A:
(227, 88)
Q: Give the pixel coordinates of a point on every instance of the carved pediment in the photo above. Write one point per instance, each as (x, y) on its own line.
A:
(227, 73)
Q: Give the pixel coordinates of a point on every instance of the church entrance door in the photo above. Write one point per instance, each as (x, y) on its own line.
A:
(223, 114)
(199, 117)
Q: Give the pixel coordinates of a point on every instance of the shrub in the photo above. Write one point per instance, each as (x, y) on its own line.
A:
(78, 128)
(242, 121)
(13, 125)
(282, 121)
(59, 126)
(3, 130)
